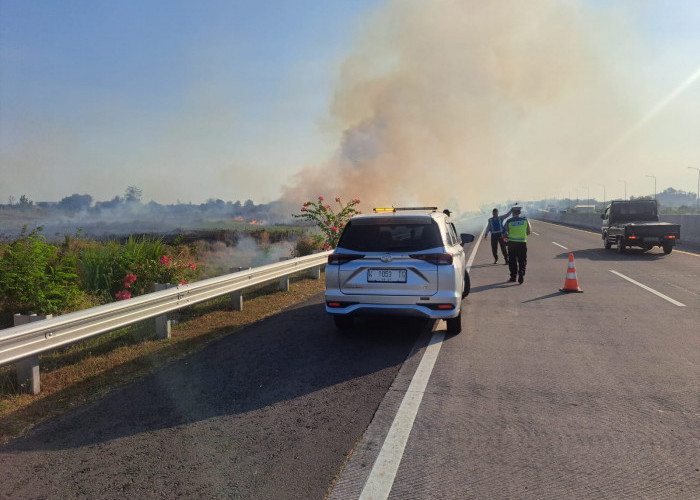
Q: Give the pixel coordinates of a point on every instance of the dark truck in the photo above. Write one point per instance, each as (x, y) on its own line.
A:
(636, 224)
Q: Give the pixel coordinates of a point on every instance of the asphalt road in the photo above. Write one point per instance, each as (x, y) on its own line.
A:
(543, 395)
(547, 395)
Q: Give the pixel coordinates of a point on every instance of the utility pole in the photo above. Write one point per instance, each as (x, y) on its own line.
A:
(653, 177)
(697, 200)
(603, 195)
(625, 183)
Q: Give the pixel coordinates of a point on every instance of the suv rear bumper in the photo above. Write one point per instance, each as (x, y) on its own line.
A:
(374, 305)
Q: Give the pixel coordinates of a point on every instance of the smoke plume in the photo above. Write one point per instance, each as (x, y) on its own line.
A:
(467, 99)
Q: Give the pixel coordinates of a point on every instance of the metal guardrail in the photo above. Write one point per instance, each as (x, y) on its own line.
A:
(32, 339)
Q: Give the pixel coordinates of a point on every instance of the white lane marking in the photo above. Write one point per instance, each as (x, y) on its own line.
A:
(557, 244)
(381, 479)
(476, 247)
(675, 302)
(383, 474)
(536, 234)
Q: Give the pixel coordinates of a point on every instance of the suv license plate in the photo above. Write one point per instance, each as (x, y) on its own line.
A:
(386, 275)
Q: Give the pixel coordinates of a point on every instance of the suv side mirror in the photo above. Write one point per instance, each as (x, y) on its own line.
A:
(466, 238)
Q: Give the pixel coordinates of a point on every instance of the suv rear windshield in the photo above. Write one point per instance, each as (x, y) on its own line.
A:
(386, 235)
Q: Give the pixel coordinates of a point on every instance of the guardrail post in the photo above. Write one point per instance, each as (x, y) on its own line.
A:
(316, 273)
(28, 369)
(284, 280)
(236, 297)
(163, 322)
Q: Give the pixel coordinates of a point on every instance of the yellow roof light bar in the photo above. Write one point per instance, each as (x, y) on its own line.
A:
(384, 209)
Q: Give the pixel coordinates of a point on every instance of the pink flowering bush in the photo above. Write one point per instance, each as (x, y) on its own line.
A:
(165, 269)
(329, 220)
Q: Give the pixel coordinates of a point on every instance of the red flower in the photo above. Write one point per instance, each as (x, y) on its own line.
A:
(337, 199)
(192, 265)
(123, 295)
(326, 246)
(129, 279)
(356, 201)
(182, 282)
(165, 260)
(334, 229)
(320, 198)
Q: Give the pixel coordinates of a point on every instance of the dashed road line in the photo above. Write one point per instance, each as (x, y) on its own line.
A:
(562, 246)
(648, 289)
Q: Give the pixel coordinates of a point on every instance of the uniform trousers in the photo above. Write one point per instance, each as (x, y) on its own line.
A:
(496, 240)
(517, 258)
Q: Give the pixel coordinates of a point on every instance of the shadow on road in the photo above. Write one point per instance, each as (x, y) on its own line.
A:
(601, 254)
(544, 297)
(287, 356)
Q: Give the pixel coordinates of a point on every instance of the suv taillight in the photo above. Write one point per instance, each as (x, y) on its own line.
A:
(439, 259)
(336, 259)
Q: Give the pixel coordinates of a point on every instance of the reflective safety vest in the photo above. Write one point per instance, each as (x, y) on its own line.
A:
(517, 230)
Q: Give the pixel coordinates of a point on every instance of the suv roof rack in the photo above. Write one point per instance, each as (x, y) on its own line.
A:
(396, 209)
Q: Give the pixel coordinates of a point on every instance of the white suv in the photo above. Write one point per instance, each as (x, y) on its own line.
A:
(401, 261)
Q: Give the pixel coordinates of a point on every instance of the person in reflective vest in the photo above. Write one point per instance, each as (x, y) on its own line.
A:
(517, 230)
(497, 229)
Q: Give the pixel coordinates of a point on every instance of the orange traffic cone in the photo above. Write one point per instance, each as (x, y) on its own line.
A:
(571, 281)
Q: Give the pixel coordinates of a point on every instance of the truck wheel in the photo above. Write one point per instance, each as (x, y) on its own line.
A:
(668, 248)
(606, 242)
(454, 325)
(621, 246)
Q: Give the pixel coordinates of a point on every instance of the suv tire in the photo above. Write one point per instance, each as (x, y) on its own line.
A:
(454, 325)
(467, 284)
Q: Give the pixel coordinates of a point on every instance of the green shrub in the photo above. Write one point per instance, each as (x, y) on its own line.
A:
(122, 271)
(36, 278)
(306, 245)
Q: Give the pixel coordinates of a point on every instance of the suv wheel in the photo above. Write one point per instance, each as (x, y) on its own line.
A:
(467, 284)
(454, 325)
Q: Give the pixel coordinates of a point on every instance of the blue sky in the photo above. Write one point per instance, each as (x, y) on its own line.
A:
(94, 91)
(192, 100)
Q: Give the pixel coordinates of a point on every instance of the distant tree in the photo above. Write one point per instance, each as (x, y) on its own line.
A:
(25, 202)
(133, 194)
(249, 205)
(11, 200)
(109, 205)
(76, 202)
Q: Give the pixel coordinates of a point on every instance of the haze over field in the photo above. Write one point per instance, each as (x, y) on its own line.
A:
(404, 101)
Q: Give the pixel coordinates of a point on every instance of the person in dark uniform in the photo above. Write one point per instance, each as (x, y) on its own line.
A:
(497, 230)
(517, 230)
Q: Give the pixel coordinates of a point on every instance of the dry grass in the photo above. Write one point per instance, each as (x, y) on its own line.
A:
(87, 371)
